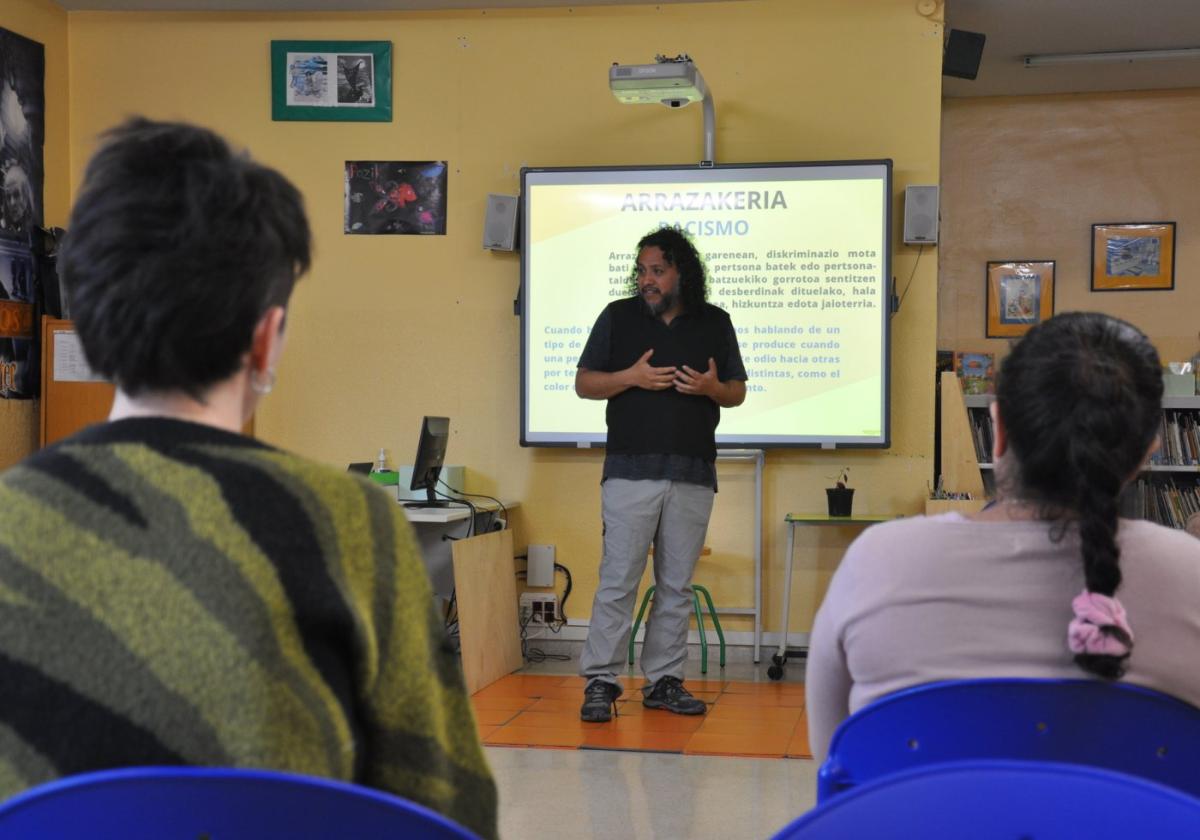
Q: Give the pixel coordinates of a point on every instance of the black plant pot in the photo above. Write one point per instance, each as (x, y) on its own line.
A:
(841, 500)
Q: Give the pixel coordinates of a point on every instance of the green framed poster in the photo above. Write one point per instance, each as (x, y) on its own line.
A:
(331, 80)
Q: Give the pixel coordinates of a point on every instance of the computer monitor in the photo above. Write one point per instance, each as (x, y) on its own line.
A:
(431, 453)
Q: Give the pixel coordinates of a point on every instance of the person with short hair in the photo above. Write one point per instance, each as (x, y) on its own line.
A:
(667, 362)
(175, 592)
(1047, 581)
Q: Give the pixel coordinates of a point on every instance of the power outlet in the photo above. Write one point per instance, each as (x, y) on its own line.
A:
(538, 608)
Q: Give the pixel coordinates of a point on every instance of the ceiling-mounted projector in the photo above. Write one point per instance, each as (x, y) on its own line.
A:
(672, 82)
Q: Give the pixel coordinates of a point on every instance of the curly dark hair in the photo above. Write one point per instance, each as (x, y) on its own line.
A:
(679, 251)
(1081, 400)
(175, 248)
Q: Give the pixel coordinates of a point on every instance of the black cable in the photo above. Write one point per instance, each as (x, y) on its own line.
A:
(500, 504)
(532, 654)
(470, 521)
(450, 621)
(562, 605)
(920, 248)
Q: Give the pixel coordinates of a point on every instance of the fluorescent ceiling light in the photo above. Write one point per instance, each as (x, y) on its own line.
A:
(1117, 57)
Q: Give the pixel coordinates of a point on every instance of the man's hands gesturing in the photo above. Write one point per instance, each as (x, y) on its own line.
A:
(704, 384)
(602, 385)
(644, 375)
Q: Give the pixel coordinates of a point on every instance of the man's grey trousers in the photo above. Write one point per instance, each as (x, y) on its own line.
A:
(673, 515)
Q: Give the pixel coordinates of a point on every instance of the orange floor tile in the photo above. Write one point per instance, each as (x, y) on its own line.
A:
(734, 699)
(535, 736)
(655, 721)
(782, 730)
(495, 717)
(744, 718)
(766, 714)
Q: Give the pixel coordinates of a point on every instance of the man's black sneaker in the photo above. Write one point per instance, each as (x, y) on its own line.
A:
(599, 701)
(668, 693)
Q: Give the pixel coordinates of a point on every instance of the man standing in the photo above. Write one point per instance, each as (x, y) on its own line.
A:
(667, 362)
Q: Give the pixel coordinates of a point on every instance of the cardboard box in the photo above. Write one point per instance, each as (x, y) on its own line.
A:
(1179, 385)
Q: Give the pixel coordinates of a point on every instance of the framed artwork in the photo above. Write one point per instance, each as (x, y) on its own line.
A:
(1133, 256)
(395, 197)
(331, 80)
(1020, 293)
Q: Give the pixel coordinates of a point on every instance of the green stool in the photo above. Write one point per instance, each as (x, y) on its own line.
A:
(697, 591)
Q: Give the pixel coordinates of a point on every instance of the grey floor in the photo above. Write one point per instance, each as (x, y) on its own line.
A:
(569, 794)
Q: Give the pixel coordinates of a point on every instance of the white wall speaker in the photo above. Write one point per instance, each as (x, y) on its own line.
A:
(920, 215)
(540, 570)
(500, 222)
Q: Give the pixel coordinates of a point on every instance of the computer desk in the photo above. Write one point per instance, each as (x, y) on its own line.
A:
(435, 528)
(456, 512)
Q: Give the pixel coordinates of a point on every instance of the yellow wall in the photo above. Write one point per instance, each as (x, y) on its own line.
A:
(1027, 177)
(46, 23)
(387, 329)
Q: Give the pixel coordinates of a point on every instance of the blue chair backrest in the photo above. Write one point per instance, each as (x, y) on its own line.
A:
(1002, 800)
(189, 803)
(1115, 725)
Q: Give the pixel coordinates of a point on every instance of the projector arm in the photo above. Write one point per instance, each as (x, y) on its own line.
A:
(710, 131)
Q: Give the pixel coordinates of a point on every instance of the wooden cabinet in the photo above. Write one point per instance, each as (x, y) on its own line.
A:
(71, 397)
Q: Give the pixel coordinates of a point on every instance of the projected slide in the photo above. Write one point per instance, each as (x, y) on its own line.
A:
(797, 254)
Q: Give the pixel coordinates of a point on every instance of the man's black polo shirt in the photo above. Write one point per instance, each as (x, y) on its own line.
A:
(662, 434)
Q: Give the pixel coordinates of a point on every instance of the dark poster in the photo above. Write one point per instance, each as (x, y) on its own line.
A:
(390, 197)
(22, 134)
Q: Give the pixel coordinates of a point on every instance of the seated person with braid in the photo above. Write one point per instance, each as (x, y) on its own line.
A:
(1047, 581)
(173, 592)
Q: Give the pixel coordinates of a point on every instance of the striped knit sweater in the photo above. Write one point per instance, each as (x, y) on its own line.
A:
(171, 593)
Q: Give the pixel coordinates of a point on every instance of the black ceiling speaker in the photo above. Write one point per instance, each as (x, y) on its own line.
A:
(964, 50)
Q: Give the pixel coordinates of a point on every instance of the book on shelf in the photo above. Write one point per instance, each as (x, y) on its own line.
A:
(976, 372)
(982, 434)
(1168, 503)
(1179, 439)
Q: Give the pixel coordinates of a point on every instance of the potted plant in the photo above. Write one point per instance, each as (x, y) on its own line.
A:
(841, 497)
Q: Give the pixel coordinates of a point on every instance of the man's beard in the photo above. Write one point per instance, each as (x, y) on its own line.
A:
(665, 301)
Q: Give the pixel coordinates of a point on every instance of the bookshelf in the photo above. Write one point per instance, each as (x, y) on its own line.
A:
(1167, 491)
(959, 459)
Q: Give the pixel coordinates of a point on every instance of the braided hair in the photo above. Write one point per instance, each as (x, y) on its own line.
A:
(1080, 397)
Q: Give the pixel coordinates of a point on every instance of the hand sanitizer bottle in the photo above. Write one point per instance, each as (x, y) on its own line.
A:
(382, 465)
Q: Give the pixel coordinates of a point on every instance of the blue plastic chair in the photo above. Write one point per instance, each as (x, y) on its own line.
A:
(1117, 726)
(1002, 800)
(189, 803)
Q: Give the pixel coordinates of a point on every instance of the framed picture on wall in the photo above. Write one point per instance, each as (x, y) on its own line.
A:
(331, 80)
(1133, 256)
(1020, 293)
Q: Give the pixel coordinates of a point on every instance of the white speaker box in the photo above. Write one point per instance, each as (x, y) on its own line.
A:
(920, 215)
(500, 222)
(540, 570)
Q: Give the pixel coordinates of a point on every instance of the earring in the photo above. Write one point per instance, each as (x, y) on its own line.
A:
(261, 382)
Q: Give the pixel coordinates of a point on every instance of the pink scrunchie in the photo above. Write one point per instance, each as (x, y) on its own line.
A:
(1092, 612)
